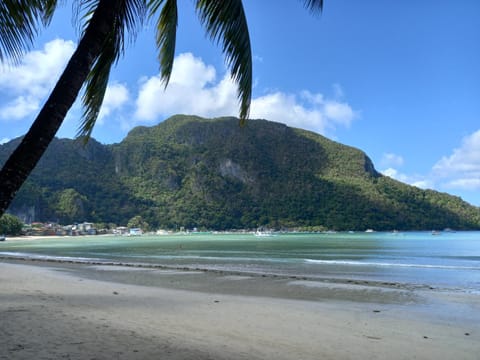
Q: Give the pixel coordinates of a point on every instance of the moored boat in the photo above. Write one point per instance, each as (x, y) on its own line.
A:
(263, 233)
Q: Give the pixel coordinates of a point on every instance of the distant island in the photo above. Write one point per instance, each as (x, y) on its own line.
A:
(201, 173)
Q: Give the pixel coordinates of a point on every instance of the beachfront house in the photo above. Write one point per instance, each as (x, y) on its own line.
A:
(121, 230)
(135, 232)
(84, 228)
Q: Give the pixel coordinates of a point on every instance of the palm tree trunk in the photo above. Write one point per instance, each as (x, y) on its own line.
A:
(26, 156)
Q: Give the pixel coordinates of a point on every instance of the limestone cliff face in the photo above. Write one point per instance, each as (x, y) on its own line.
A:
(234, 170)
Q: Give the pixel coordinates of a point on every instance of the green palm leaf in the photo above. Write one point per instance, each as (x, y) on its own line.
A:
(166, 34)
(95, 88)
(226, 23)
(20, 22)
(129, 17)
(314, 5)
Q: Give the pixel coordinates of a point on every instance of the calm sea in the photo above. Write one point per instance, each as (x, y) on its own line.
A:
(450, 260)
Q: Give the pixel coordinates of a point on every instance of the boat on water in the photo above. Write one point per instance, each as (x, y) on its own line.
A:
(2, 238)
(264, 233)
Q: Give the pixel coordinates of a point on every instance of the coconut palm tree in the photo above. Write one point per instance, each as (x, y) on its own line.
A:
(106, 25)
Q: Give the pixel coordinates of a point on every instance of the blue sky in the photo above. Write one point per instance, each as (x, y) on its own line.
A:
(398, 79)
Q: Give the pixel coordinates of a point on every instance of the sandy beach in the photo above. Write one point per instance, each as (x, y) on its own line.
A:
(78, 311)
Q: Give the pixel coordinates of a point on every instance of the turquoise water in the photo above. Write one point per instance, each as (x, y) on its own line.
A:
(449, 260)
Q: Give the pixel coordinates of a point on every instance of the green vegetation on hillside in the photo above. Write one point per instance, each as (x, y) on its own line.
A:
(193, 172)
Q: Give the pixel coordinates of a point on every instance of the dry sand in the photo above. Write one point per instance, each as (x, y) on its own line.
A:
(68, 311)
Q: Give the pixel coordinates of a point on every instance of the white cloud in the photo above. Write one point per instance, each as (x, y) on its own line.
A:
(340, 113)
(307, 111)
(191, 90)
(466, 184)
(395, 174)
(116, 96)
(284, 108)
(195, 89)
(423, 184)
(390, 159)
(414, 180)
(461, 170)
(457, 173)
(25, 85)
(19, 108)
(390, 172)
(190, 71)
(4, 141)
(465, 160)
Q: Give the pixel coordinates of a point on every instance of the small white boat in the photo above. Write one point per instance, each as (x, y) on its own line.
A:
(263, 233)
(2, 237)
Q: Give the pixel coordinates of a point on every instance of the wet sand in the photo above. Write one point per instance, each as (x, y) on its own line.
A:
(81, 311)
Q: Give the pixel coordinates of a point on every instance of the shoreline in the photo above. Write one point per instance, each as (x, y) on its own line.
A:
(54, 310)
(49, 237)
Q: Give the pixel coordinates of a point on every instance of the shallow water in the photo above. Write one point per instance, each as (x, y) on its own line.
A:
(450, 260)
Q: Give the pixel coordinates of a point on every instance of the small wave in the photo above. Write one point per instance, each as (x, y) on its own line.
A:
(385, 264)
(250, 271)
(27, 256)
(221, 259)
(81, 260)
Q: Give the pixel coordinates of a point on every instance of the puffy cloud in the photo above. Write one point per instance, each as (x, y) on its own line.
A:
(465, 159)
(414, 180)
(191, 90)
(466, 184)
(457, 173)
(393, 161)
(19, 108)
(4, 141)
(307, 111)
(116, 96)
(389, 159)
(391, 172)
(25, 85)
(395, 174)
(423, 183)
(39, 69)
(195, 89)
(340, 113)
(461, 170)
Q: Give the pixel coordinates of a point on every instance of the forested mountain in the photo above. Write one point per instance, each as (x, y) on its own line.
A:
(211, 173)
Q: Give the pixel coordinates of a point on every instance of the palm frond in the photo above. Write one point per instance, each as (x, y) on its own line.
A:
(20, 22)
(95, 88)
(129, 15)
(166, 34)
(314, 5)
(49, 7)
(225, 23)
